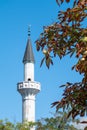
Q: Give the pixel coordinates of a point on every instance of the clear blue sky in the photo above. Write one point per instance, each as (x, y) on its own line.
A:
(15, 16)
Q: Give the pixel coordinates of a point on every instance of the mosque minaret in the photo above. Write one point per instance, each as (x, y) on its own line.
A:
(28, 88)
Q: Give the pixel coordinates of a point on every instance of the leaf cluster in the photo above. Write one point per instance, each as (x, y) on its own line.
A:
(59, 121)
(7, 125)
(56, 122)
(73, 97)
(68, 36)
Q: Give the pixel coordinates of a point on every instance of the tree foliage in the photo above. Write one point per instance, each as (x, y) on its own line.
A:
(68, 36)
(7, 125)
(56, 122)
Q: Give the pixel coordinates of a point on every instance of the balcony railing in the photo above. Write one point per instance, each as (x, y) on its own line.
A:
(28, 84)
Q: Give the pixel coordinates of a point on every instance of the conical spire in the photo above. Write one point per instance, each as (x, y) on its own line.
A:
(28, 55)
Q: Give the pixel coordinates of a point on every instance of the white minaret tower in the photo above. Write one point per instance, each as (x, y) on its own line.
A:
(28, 88)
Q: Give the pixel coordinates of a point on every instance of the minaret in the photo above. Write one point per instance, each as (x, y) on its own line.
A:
(28, 88)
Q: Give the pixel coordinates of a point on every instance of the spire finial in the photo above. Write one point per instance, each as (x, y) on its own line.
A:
(29, 30)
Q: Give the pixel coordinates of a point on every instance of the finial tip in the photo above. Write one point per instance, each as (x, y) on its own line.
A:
(29, 30)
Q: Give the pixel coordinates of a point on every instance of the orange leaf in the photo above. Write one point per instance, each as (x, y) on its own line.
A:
(67, 1)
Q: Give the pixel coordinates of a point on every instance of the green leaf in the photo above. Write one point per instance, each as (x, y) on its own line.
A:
(42, 61)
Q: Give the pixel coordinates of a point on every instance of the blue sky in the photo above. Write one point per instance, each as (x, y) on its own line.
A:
(15, 16)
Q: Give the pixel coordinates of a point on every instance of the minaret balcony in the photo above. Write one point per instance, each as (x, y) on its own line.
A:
(28, 85)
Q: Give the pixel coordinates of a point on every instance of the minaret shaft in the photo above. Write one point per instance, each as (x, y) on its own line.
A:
(28, 108)
(29, 72)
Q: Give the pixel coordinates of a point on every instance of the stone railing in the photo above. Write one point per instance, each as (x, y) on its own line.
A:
(28, 84)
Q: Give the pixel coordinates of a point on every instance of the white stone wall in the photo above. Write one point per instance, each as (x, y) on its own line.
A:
(28, 108)
(29, 71)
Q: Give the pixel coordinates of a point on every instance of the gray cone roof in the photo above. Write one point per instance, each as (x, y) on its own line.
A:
(28, 55)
